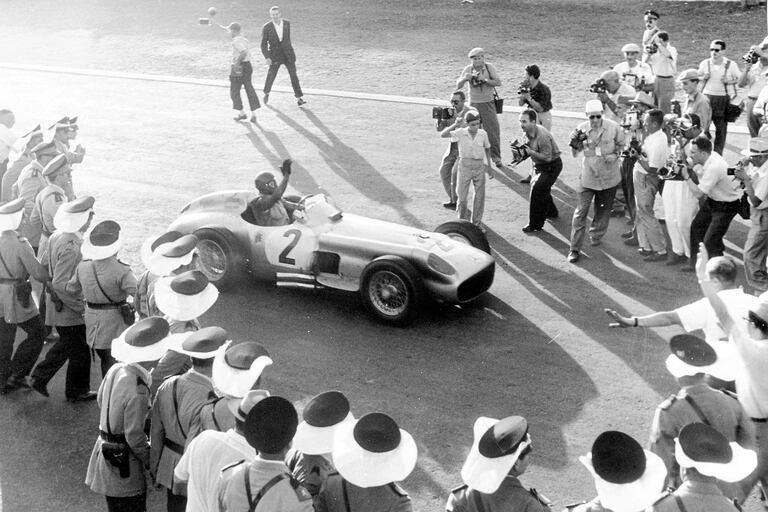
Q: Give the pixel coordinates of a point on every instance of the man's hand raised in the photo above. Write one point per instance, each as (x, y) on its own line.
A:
(285, 167)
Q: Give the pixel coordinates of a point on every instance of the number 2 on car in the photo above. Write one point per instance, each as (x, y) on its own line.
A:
(291, 247)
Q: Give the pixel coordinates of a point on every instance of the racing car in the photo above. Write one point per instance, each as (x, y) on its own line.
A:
(395, 268)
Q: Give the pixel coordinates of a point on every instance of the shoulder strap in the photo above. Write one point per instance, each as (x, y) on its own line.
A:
(213, 414)
(680, 504)
(495, 94)
(346, 494)
(96, 276)
(264, 490)
(725, 75)
(248, 495)
(697, 409)
(109, 399)
(176, 406)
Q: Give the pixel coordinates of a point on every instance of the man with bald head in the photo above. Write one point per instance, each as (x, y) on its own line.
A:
(616, 97)
(269, 208)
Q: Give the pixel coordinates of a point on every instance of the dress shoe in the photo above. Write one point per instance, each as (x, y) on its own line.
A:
(644, 252)
(527, 179)
(530, 229)
(83, 397)
(656, 256)
(301, 101)
(52, 338)
(450, 205)
(628, 234)
(39, 387)
(595, 242)
(266, 98)
(241, 117)
(617, 213)
(253, 119)
(632, 241)
(573, 256)
(676, 259)
(17, 383)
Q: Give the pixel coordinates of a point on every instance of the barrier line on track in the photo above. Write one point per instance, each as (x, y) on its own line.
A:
(312, 92)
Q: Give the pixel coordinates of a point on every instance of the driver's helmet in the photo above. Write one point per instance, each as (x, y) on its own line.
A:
(262, 181)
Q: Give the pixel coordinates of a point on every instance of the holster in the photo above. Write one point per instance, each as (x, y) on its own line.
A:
(117, 454)
(58, 304)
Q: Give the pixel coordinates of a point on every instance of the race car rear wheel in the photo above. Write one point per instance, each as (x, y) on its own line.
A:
(392, 289)
(220, 257)
(465, 232)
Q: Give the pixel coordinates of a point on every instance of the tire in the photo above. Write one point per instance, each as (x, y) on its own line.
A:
(465, 232)
(220, 257)
(392, 290)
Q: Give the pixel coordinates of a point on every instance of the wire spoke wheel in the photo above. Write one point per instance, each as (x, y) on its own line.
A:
(212, 260)
(388, 293)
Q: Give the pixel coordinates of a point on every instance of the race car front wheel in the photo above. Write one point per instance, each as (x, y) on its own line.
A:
(392, 289)
(465, 232)
(220, 257)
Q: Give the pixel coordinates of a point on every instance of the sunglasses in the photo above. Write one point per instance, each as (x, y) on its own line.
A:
(596, 116)
(716, 50)
(454, 102)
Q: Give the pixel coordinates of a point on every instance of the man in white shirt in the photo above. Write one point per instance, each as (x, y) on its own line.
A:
(240, 74)
(755, 178)
(719, 76)
(616, 97)
(723, 193)
(7, 138)
(474, 158)
(663, 62)
(754, 79)
(633, 72)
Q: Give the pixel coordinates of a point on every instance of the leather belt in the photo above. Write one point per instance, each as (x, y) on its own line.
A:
(659, 76)
(173, 446)
(112, 438)
(7, 280)
(759, 420)
(752, 98)
(108, 305)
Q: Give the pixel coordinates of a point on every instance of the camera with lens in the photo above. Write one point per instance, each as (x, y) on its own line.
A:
(673, 171)
(651, 48)
(751, 57)
(677, 126)
(732, 170)
(443, 112)
(476, 79)
(676, 108)
(578, 137)
(519, 151)
(523, 88)
(631, 120)
(633, 149)
(598, 87)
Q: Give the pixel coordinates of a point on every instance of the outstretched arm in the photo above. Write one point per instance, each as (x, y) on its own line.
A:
(710, 292)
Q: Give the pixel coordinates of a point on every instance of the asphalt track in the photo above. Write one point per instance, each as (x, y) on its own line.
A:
(537, 344)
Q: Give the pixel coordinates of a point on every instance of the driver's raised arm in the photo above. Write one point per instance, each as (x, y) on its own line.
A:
(267, 201)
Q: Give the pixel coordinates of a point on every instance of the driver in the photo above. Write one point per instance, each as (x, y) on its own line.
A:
(269, 208)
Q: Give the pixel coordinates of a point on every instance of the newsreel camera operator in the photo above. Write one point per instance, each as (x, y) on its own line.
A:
(445, 117)
(614, 94)
(535, 95)
(754, 79)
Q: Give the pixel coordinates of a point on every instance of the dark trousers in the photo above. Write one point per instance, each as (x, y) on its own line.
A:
(20, 364)
(176, 502)
(542, 205)
(710, 225)
(127, 504)
(236, 82)
(719, 106)
(105, 356)
(272, 73)
(71, 347)
(628, 185)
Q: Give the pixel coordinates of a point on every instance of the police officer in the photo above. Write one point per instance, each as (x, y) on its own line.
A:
(691, 360)
(31, 181)
(145, 301)
(7, 189)
(65, 132)
(17, 262)
(499, 455)
(105, 283)
(177, 408)
(62, 257)
(265, 482)
(124, 401)
(58, 174)
(370, 455)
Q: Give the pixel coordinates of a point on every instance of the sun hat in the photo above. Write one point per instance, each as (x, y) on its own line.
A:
(497, 446)
(237, 367)
(240, 407)
(373, 451)
(703, 448)
(11, 214)
(689, 74)
(186, 296)
(153, 242)
(102, 241)
(472, 116)
(627, 478)
(203, 343)
(271, 424)
(593, 107)
(146, 340)
(630, 47)
(321, 418)
(169, 256)
(757, 146)
(691, 355)
(73, 215)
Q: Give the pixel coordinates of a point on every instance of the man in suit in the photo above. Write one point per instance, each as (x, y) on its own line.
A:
(277, 49)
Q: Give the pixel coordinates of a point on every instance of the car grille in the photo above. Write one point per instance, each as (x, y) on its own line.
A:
(476, 284)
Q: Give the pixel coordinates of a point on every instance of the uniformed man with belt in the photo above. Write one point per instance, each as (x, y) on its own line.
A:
(691, 361)
(17, 263)
(62, 257)
(500, 453)
(265, 483)
(120, 458)
(370, 455)
(58, 174)
(105, 283)
(177, 408)
(145, 300)
(7, 188)
(65, 132)
(29, 184)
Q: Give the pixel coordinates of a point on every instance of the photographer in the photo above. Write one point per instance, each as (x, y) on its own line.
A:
(633, 72)
(651, 21)
(718, 74)
(662, 57)
(753, 173)
(601, 141)
(483, 79)
(450, 115)
(538, 97)
(721, 204)
(695, 102)
(614, 94)
(754, 79)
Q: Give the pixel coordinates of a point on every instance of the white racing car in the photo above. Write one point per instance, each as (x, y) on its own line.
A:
(394, 267)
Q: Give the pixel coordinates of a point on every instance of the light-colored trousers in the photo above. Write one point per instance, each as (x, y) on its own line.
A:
(680, 207)
(470, 171)
(649, 233)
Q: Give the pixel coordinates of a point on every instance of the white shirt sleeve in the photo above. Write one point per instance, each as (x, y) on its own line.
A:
(693, 316)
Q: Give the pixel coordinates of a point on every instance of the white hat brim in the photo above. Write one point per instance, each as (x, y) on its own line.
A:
(749, 152)
(146, 249)
(125, 353)
(486, 474)
(11, 221)
(183, 307)
(318, 440)
(162, 265)
(70, 222)
(633, 496)
(742, 464)
(231, 381)
(369, 469)
(99, 252)
(725, 368)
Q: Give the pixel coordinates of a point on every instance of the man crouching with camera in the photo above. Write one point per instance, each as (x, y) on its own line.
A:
(601, 141)
(445, 117)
